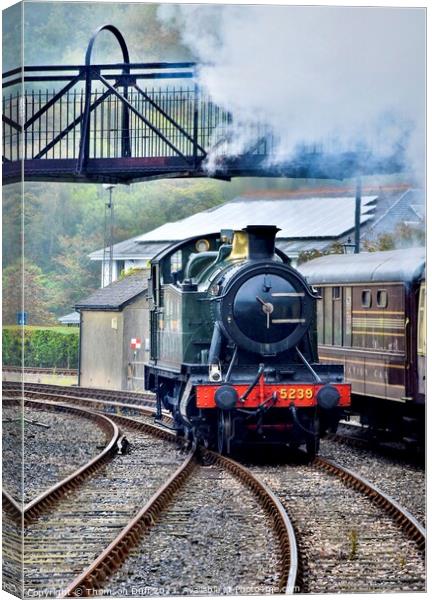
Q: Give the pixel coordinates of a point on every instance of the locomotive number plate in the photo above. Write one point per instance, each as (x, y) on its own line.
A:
(296, 393)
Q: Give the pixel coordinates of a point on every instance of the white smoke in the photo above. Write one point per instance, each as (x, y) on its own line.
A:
(338, 76)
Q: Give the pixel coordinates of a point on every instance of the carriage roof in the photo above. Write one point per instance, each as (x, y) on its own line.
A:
(405, 265)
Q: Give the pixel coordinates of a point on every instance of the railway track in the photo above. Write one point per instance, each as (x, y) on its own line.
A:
(62, 541)
(351, 536)
(64, 515)
(125, 563)
(335, 547)
(399, 476)
(55, 492)
(125, 397)
(40, 370)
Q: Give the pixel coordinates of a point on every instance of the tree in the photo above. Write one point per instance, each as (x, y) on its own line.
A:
(77, 276)
(404, 236)
(28, 277)
(306, 255)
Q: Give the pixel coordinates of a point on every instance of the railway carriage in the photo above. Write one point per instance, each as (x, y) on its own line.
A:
(371, 318)
(233, 352)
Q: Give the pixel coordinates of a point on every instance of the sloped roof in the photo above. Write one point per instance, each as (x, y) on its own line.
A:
(132, 249)
(395, 209)
(116, 295)
(298, 218)
(406, 264)
(72, 318)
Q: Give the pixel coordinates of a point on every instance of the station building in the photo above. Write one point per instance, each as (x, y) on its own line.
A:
(113, 334)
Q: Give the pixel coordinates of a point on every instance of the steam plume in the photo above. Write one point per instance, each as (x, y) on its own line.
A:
(341, 77)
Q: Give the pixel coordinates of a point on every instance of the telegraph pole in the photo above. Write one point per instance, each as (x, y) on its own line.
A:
(357, 216)
(109, 239)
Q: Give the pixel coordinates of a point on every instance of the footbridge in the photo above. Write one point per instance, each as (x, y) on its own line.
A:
(130, 122)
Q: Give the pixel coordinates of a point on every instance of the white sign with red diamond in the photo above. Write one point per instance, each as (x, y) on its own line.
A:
(135, 343)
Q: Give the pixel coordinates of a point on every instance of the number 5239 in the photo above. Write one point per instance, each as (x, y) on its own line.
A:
(296, 393)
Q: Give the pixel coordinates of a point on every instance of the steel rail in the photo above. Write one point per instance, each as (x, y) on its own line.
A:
(48, 370)
(403, 518)
(11, 506)
(32, 509)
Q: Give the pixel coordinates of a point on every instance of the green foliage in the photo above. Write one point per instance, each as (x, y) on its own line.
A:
(335, 248)
(42, 346)
(30, 278)
(127, 273)
(64, 223)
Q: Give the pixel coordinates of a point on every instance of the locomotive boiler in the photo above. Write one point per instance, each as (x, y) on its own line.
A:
(233, 347)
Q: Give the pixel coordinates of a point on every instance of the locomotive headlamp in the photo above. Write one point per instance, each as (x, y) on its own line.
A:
(226, 397)
(328, 397)
(202, 245)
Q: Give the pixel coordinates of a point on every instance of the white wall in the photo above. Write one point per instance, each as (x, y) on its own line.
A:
(128, 264)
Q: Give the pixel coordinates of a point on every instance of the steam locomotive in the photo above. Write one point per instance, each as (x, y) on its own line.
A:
(233, 346)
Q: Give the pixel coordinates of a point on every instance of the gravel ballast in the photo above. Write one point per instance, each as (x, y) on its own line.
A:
(213, 539)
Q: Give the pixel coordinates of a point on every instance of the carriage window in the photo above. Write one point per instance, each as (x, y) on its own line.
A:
(382, 299)
(366, 298)
(328, 316)
(336, 293)
(421, 331)
(337, 316)
(320, 317)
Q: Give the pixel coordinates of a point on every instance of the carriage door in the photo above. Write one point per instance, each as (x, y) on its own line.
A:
(421, 340)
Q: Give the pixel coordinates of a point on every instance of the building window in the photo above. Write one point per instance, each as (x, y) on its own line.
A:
(382, 298)
(120, 267)
(336, 293)
(366, 299)
(176, 262)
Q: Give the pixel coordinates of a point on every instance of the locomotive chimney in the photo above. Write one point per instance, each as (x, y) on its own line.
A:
(261, 241)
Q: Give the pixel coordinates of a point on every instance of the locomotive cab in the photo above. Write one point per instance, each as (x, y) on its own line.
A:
(233, 344)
